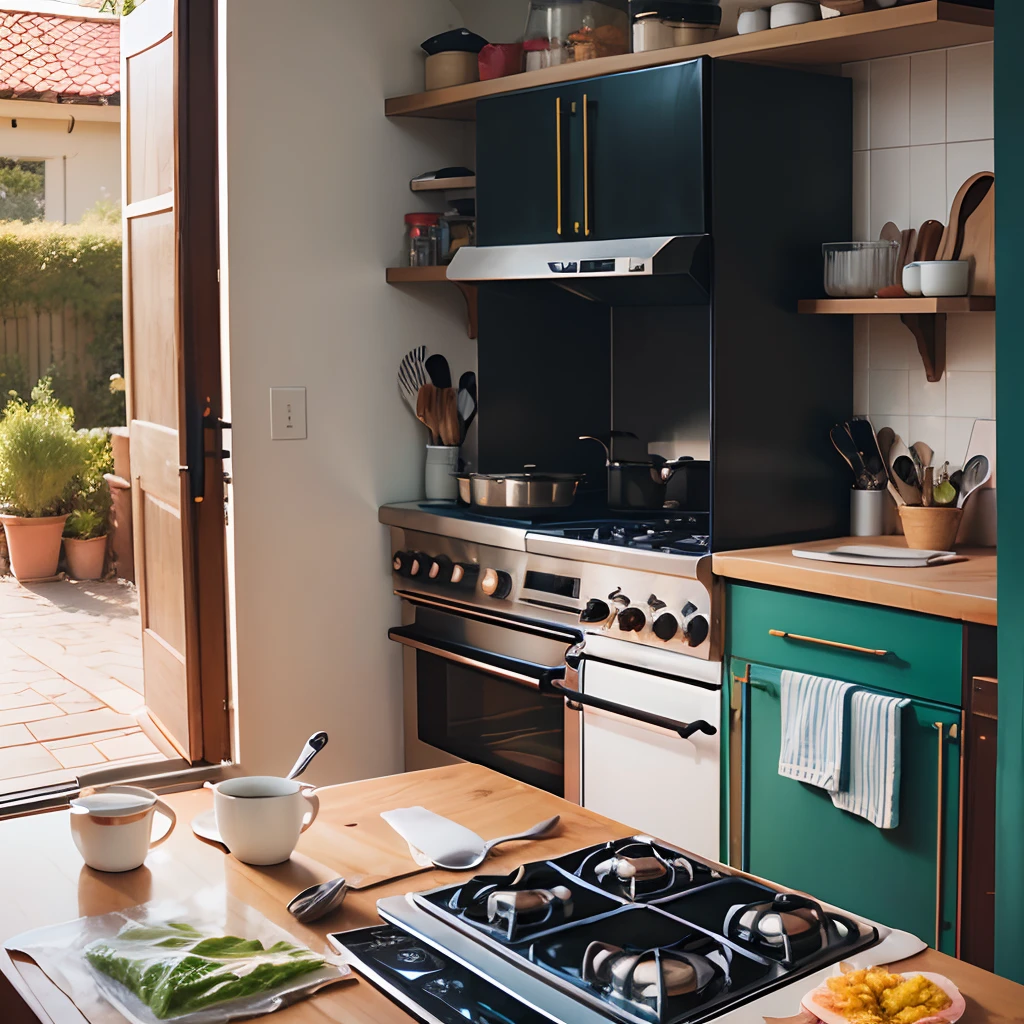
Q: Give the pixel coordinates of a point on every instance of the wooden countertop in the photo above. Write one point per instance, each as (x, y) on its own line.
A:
(44, 882)
(962, 590)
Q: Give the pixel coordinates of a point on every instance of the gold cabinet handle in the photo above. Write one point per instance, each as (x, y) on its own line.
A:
(586, 170)
(558, 158)
(828, 643)
(940, 822)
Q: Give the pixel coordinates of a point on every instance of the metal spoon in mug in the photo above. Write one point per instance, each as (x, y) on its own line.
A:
(975, 475)
(313, 746)
(318, 900)
(464, 860)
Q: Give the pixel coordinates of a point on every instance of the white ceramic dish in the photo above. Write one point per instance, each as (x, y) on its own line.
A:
(794, 14)
(948, 1016)
(912, 279)
(945, 277)
(753, 21)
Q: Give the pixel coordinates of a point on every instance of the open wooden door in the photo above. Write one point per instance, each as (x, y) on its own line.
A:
(168, 320)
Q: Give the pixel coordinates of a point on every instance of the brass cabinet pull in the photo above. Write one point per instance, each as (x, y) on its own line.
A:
(940, 822)
(586, 170)
(827, 643)
(558, 157)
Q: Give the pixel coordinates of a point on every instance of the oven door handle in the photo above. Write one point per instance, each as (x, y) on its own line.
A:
(525, 673)
(684, 729)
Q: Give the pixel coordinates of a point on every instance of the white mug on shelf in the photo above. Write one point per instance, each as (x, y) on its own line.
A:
(260, 817)
(112, 827)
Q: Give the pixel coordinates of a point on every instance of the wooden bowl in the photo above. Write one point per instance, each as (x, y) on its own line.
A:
(930, 529)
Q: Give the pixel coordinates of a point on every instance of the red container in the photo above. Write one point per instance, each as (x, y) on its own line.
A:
(500, 59)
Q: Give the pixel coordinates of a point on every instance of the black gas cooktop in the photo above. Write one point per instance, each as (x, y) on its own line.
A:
(631, 931)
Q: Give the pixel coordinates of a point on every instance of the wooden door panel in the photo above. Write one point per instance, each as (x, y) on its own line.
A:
(154, 382)
(166, 688)
(162, 507)
(150, 121)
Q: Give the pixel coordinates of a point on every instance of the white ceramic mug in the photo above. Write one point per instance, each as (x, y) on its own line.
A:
(112, 827)
(260, 817)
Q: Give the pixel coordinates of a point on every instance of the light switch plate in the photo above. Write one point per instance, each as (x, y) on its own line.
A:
(287, 414)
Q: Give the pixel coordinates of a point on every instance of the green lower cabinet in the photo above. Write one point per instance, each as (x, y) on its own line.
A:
(794, 835)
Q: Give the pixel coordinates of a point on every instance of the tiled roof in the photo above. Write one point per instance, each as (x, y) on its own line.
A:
(46, 56)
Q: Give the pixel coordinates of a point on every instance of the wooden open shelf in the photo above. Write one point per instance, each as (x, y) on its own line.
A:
(443, 184)
(956, 304)
(434, 275)
(926, 25)
(925, 318)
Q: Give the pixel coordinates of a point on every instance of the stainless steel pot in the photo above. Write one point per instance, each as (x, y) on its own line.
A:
(522, 490)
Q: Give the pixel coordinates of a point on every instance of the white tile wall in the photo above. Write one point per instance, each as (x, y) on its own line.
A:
(922, 125)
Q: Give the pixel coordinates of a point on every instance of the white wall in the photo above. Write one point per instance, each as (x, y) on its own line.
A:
(315, 184)
(922, 126)
(90, 156)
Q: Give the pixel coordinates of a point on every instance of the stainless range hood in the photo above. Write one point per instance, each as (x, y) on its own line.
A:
(673, 269)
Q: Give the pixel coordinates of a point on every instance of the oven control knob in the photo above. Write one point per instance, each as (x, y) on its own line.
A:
(665, 626)
(440, 570)
(632, 620)
(495, 583)
(407, 563)
(697, 630)
(595, 612)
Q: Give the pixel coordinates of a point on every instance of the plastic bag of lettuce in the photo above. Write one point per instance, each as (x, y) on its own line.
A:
(209, 959)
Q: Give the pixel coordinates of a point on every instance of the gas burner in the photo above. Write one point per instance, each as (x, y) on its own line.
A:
(681, 535)
(640, 870)
(788, 928)
(534, 898)
(647, 978)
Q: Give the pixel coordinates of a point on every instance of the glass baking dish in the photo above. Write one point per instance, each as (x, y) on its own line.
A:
(859, 269)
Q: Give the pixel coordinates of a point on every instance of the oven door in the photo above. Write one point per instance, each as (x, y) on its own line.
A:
(650, 748)
(484, 692)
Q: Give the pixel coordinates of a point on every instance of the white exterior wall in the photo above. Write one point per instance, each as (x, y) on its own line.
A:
(314, 189)
(81, 168)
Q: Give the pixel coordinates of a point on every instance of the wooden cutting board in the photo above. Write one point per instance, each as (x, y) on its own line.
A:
(970, 233)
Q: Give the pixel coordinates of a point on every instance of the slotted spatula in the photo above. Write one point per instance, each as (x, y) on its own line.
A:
(412, 375)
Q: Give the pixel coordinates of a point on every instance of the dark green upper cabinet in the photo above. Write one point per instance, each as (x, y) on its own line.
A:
(621, 156)
(642, 149)
(523, 167)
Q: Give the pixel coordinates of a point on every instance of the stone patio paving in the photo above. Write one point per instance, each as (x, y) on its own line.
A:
(70, 681)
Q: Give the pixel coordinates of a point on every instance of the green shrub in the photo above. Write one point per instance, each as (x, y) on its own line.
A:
(90, 499)
(41, 454)
(51, 268)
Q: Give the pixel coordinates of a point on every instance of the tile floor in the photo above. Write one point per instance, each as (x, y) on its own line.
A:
(70, 681)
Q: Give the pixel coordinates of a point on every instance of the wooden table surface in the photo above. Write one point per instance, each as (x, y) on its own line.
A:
(44, 882)
(962, 590)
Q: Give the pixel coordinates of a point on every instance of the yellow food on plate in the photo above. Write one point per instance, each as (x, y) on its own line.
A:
(877, 997)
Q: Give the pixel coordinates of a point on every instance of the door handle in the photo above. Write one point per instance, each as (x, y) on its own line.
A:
(558, 159)
(684, 729)
(940, 827)
(828, 643)
(523, 673)
(586, 168)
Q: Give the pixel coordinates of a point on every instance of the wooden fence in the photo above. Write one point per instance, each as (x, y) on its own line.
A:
(36, 341)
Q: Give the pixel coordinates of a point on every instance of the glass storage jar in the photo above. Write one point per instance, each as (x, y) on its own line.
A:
(575, 30)
(423, 239)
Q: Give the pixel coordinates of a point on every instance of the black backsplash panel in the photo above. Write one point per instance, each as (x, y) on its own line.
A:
(661, 373)
(543, 361)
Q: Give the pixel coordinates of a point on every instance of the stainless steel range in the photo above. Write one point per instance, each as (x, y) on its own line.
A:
(582, 657)
(632, 931)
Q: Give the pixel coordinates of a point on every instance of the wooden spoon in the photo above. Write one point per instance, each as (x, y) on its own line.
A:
(426, 405)
(929, 238)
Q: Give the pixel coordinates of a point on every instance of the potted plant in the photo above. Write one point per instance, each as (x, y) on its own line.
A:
(85, 532)
(40, 457)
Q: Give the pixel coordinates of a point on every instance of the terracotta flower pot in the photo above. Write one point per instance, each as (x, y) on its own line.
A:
(86, 557)
(930, 529)
(34, 545)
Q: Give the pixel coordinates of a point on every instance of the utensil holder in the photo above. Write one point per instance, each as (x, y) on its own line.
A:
(869, 513)
(930, 529)
(439, 480)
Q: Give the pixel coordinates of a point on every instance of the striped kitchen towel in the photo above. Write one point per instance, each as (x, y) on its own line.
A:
(813, 724)
(873, 791)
